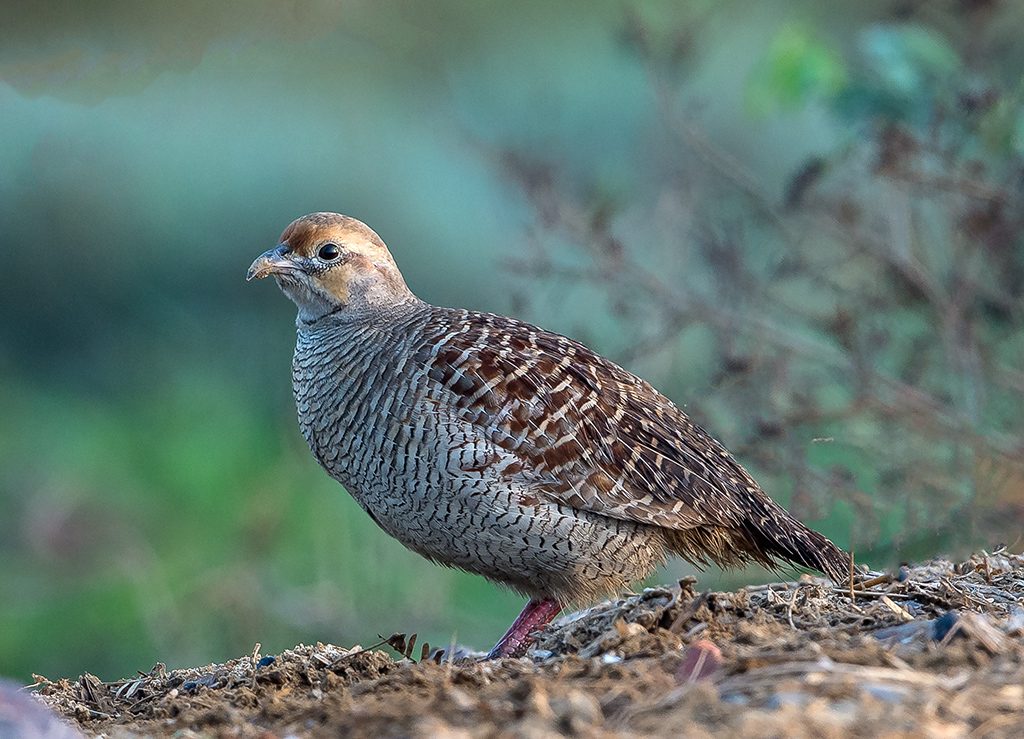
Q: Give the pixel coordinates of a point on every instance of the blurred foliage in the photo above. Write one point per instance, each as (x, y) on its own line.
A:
(859, 338)
(797, 69)
(800, 221)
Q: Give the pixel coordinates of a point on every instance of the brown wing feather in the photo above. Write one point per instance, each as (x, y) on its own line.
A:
(596, 437)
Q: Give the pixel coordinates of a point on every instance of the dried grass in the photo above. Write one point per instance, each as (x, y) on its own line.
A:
(934, 650)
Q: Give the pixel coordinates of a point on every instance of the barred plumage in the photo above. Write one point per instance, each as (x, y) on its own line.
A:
(491, 445)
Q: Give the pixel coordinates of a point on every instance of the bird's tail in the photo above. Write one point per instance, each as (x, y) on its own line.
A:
(776, 535)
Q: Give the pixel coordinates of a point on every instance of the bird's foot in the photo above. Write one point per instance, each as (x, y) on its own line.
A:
(519, 637)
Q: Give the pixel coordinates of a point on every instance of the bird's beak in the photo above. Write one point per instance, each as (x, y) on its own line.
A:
(269, 262)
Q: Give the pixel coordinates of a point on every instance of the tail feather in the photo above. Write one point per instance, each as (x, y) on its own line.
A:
(780, 536)
(768, 535)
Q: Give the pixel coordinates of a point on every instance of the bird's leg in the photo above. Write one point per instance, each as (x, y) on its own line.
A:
(536, 614)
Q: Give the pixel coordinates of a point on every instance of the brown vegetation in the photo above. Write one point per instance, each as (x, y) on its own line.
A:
(933, 649)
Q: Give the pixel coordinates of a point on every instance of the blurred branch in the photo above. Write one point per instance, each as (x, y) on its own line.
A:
(942, 244)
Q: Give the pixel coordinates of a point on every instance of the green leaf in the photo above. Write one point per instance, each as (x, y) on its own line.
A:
(799, 67)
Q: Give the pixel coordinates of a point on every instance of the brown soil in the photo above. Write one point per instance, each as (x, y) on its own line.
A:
(934, 650)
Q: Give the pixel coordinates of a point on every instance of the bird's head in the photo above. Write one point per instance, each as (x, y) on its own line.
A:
(328, 263)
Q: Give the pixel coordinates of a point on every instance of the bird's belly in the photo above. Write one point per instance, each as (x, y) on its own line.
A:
(453, 505)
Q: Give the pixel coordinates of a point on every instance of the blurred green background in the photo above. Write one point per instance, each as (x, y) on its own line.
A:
(799, 219)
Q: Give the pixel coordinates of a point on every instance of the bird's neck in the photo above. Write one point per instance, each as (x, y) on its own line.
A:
(364, 311)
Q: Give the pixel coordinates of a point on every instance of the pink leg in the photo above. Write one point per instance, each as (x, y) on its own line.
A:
(536, 614)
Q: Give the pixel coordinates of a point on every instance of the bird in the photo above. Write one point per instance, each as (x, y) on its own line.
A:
(491, 445)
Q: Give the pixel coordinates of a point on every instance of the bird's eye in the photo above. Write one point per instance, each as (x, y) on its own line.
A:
(329, 252)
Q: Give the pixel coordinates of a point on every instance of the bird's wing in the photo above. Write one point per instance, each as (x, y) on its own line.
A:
(589, 433)
(592, 436)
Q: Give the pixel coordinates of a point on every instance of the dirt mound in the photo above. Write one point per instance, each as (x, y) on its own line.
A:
(934, 649)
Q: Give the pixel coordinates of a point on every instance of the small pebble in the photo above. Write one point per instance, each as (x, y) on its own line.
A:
(787, 698)
(700, 661)
(738, 699)
(206, 681)
(943, 624)
(886, 693)
(461, 700)
(1015, 623)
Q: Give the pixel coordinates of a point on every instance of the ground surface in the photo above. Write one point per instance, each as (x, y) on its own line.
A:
(932, 650)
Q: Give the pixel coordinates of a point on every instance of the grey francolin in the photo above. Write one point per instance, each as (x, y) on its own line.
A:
(485, 443)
